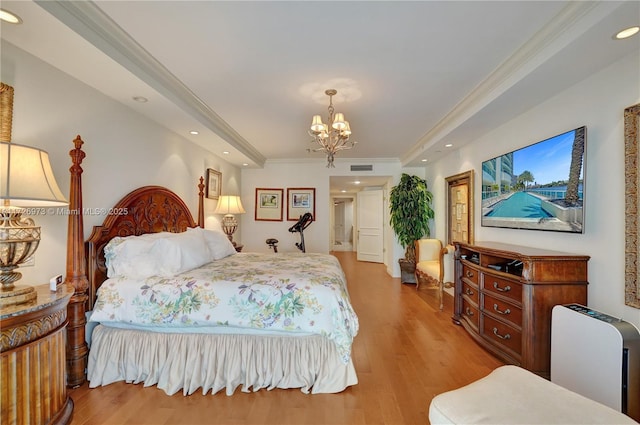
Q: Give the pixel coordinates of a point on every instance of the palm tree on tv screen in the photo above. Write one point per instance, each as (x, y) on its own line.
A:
(525, 177)
(577, 153)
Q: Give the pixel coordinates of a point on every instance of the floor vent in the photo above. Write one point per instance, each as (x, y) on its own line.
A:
(362, 168)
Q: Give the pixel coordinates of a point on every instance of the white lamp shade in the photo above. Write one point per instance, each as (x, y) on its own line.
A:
(26, 177)
(316, 123)
(228, 204)
(338, 121)
(347, 129)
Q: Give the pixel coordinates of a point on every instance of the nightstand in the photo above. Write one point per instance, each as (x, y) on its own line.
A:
(238, 247)
(33, 359)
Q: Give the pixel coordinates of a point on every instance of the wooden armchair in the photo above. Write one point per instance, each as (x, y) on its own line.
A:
(434, 264)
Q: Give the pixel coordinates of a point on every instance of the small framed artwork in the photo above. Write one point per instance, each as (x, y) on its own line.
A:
(269, 204)
(214, 183)
(301, 200)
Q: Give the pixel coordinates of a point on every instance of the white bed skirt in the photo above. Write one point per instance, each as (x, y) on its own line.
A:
(213, 362)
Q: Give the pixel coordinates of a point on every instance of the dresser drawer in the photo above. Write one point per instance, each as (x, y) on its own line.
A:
(505, 287)
(502, 334)
(502, 309)
(470, 292)
(470, 313)
(470, 273)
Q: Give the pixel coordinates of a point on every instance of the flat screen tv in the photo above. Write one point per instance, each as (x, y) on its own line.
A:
(538, 187)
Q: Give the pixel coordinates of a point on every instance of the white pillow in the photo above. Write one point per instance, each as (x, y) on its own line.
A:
(129, 256)
(219, 244)
(180, 253)
(155, 254)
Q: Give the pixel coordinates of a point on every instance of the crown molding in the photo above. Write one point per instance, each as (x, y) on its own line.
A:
(571, 22)
(91, 23)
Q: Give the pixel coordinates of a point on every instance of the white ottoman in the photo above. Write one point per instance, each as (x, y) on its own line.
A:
(512, 395)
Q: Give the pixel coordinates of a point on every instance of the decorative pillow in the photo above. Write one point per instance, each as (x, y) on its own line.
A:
(219, 244)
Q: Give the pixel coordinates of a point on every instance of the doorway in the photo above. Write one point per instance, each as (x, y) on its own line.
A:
(343, 209)
(345, 212)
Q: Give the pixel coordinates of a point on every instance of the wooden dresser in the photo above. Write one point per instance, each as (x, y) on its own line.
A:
(33, 359)
(504, 295)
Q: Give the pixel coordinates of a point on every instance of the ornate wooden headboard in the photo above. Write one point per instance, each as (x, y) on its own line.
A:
(149, 209)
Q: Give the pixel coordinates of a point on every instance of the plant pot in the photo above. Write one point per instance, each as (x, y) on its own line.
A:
(407, 271)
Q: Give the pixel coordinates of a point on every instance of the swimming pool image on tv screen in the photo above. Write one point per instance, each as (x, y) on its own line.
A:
(520, 205)
(537, 187)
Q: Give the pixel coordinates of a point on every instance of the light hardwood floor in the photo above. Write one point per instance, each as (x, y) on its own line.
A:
(406, 352)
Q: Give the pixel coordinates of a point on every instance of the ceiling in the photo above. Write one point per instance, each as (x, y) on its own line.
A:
(411, 76)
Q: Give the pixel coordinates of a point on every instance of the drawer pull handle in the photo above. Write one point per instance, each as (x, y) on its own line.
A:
(469, 274)
(505, 289)
(497, 310)
(468, 291)
(469, 312)
(495, 332)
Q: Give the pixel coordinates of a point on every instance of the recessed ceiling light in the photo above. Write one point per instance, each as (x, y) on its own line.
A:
(245, 164)
(194, 132)
(628, 32)
(343, 191)
(423, 160)
(225, 152)
(9, 17)
(448, 145)
(140, 99)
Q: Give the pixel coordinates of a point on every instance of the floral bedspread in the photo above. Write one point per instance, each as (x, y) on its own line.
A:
(284, 292)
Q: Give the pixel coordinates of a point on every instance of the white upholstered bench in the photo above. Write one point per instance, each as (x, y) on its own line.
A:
(512, 395)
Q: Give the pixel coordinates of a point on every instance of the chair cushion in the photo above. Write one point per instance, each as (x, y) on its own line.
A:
(512, 395)
(430, 268)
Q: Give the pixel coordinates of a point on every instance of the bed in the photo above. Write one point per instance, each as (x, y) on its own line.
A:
(244, 320)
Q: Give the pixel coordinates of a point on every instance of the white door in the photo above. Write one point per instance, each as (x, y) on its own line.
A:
(369, 226)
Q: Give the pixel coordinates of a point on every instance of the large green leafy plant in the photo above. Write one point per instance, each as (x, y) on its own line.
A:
(410, 205)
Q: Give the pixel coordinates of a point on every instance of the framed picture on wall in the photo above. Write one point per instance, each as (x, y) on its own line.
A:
(214, 183)
(300, 200)
(269, 204)
(632, 204)
(460, 203)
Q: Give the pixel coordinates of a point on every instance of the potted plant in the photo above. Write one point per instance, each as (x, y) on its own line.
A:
(410, 205)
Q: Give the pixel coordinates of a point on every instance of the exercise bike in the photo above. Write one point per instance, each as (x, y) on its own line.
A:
(305, 220)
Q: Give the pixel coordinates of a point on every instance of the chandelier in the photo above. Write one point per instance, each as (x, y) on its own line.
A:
(334, 137)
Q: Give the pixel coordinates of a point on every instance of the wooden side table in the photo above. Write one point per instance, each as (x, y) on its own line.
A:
(33, 359)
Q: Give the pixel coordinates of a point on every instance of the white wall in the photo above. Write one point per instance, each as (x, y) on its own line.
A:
(124, 150)
(283, 174)
(597, 102)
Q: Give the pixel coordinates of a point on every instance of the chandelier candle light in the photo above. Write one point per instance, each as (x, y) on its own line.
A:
(333, 138)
